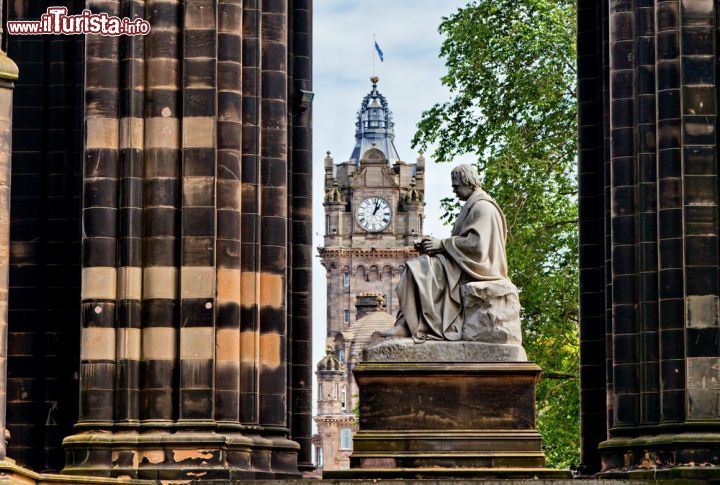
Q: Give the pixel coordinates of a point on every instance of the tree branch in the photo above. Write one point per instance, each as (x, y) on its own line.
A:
(559, 223)
(558, 375)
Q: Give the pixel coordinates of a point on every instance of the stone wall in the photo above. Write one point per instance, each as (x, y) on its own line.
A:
(379, 272)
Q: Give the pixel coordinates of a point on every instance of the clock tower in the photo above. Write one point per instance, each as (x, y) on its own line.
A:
(373, 214)
(374, 205)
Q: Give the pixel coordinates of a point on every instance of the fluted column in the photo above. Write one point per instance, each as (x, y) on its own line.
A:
(229, 207)
(197, 222)
(301, 232)
(193, 345)
(161, 208)
(275, 264)
(99, 290)
(250, 215)
(130, 211)
(661, 236)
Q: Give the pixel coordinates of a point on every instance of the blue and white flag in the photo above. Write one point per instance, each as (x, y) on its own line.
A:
(380, 52)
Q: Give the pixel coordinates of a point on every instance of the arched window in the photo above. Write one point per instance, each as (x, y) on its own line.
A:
(341, 356)
(345, 439)
(320, 394)
(320, 458)
(346, 279)
(374, 274)
(343, 398)
(346, 317)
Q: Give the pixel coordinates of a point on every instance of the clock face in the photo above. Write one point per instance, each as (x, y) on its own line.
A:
(373, 214)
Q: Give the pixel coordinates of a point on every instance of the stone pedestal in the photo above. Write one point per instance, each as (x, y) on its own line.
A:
(446, 419)
(187, 455)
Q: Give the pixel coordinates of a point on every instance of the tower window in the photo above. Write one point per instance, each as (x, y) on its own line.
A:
(341, 356)
(346, 280)
(343, 398)
(345, 439)
(346, 317)
(320, 457)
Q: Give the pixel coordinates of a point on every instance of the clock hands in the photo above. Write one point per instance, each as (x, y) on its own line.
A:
(370, 218)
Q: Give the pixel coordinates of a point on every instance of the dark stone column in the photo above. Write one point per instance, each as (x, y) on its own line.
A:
(250, 216)
(660, 236)
(44, 302)
(8, 74)
(592, 90)
(301, 232)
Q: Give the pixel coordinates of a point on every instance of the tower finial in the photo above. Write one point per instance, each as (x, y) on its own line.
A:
(374, 80)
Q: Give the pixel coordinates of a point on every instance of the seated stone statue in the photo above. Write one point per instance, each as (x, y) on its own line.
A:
(458, 289)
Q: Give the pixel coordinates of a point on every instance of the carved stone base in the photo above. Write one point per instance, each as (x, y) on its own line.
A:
(180, 455)
(688, 455)
(406, 350)
(447, 420)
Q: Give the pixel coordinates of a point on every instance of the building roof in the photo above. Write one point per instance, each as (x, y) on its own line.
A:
(374, 127)
(364, 328)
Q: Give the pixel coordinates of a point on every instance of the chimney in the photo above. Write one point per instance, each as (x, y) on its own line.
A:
(368, 302)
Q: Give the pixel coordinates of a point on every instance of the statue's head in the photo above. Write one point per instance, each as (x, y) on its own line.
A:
(465, 179)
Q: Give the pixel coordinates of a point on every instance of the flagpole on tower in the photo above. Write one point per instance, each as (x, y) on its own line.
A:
(373, 51)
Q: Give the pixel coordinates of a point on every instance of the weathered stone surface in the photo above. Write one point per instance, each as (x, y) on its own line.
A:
(449, 420)
(492, 312)
(406, 350)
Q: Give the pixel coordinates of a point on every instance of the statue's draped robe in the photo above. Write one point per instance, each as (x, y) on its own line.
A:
(429, 289)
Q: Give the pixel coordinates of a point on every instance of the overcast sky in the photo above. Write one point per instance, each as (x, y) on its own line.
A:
(406, 31)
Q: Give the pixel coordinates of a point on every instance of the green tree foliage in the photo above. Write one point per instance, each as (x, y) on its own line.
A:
(511, 75)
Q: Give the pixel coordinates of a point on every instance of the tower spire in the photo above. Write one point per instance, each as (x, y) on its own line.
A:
(374, 127)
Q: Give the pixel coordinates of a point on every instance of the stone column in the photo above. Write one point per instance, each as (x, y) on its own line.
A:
(301, 233)
(100, 224)
(8, 74)
(44, 309)
(592, 172)
(185, 294)
(648, 163)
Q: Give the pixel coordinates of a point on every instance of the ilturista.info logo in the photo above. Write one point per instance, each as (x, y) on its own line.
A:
(56, 21)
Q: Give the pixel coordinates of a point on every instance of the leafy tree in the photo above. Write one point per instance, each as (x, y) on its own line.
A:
(511, 76)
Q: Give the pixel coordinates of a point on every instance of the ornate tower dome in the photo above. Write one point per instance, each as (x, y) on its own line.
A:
(374, 127)
(330, 363)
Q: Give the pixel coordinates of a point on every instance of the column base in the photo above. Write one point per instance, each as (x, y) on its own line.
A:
(180, 455)
(666, 456)
(447, 420)
(13, 474)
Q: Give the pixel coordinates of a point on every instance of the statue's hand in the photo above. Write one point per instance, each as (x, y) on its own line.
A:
(431, 246)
